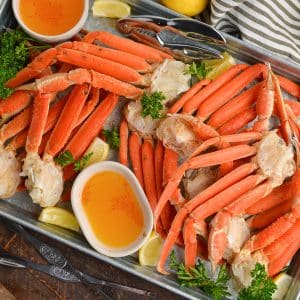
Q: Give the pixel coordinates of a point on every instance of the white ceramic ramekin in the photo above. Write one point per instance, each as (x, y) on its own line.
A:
(76, 200)
(52, 38)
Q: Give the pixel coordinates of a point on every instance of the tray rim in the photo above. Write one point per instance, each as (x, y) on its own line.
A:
(278, 63)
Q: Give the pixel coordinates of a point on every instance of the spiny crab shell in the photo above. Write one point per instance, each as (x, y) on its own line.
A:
(44, 179)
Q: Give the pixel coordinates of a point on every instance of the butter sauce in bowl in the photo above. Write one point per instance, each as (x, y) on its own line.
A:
(112, 209)
(51, 20)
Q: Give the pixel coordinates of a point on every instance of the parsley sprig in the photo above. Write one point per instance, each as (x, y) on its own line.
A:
(198, 69)
(261, 287)
(66, 158)
(197, 277)
(15, 48)
(112, 137)
(152, 104)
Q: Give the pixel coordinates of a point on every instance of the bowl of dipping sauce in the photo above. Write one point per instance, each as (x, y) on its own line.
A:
(112, 209)
(51, 21)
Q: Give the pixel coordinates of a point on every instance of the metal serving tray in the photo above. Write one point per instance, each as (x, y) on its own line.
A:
(21, 210)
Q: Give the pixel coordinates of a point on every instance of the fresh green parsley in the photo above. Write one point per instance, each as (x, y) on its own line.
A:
(112, 137)
(261, 287)
(14, 54)
(197, 277)
(66, 158)
(198, 69)
(152, 104)
(81, 163)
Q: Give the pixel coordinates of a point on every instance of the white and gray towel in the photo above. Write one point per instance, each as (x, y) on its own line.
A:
(271, 24)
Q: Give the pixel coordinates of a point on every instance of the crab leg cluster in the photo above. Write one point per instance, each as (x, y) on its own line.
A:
(256, 183)
(39, 120)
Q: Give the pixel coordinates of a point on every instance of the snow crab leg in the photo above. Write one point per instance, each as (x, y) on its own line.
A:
(61, 81)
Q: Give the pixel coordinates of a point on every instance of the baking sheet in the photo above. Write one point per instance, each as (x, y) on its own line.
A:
(21, 210)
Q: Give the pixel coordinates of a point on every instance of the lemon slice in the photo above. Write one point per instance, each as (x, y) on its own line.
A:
(149, 253)
(111, 9)
(219, 66)
(283, 282)
(60, 217)
(99, 150)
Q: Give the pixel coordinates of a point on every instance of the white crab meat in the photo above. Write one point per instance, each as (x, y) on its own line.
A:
(171, 79)
(198, 180)
(244, 263)
(237, 234)
(275, 158)
(44, 180)
(9, 173)
(176, 133)
(145, 126)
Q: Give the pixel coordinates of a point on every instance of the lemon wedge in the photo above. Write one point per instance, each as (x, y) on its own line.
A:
(218, 66)
(149, 253)
(111, 9)
(60, 217)
(283, 282)
(99, 150)
(186, 7)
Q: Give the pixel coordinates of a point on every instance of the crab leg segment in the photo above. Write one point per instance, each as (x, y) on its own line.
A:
(276, 197)
(177, 106)
(61, 81)
(277, 265)
(16, 125)
(288, 85)
(227, 91)
(33, 69)
(265, 103)
(266, 218)
(238, 122)
(133, 61)
(15, 103)
(234, 106)
(101, 65)
(235, 138)
(123, 149)
(67, 119)
(169, 164)
(159, 166)
(89, 106)
(193, 103)
(149, 172)
(91, 127)
(38, 122)
(126, 45)
(136, 156)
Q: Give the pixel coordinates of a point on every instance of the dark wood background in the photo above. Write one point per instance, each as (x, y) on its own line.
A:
(28, 284)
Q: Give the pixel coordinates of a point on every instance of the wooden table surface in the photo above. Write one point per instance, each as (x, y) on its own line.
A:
(28, 284)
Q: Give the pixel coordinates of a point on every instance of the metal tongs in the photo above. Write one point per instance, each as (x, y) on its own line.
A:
(180, 36)
(58, 266)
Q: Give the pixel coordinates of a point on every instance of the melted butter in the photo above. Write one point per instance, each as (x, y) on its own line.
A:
(51, 17)
(112, 209)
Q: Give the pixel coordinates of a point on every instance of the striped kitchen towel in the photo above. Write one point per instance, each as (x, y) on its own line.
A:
(271, 24)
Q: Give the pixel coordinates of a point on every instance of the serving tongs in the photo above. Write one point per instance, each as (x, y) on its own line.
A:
(59, 267)
(194, 39)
